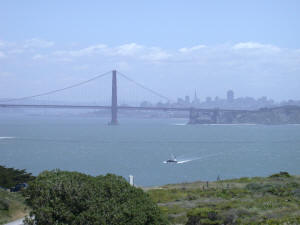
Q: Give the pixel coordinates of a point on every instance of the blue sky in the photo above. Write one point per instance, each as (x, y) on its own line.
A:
(174, 46)
(169, 23)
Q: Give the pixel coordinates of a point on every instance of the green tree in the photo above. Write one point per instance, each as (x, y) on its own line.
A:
(9, 177)
(60, 197)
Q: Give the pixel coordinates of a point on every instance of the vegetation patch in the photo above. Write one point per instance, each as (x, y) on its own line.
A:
(12, 206)
(61, 197)
(10, 177)
(281, 174)
(271, 200)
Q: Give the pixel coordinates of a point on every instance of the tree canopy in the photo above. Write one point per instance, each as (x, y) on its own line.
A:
(61, 197)
(9, 177)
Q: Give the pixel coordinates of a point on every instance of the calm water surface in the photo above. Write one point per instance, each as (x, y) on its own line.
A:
(139, 146)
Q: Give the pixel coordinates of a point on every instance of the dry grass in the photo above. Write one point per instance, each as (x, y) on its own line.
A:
(12, 207)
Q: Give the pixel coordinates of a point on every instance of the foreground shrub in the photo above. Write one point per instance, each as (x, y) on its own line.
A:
(60, 197)
(203, 216)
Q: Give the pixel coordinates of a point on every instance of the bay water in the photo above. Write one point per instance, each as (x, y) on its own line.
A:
(139, 147)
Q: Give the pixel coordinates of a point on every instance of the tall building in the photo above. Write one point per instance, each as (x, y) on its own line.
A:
(230, 96)
(196, 100)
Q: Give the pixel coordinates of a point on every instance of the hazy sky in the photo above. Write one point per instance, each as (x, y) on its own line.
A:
(174, 47)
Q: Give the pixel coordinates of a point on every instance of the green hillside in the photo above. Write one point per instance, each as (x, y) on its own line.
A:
(271, 200)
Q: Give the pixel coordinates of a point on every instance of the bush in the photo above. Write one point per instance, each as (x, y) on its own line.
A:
(60, 197)
(203, 216)
(4, 204)
(281, 174)
(288, 189)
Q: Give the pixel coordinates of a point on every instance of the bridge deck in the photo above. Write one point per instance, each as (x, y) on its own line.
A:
(119, 107)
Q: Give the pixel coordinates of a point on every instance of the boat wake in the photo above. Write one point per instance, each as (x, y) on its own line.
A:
(181, 161)
(185, 161)
(5, 138)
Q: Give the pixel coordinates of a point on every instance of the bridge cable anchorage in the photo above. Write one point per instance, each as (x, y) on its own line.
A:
(58, 90)
(144, 87)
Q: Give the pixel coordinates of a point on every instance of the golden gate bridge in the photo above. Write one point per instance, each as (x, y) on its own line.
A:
(114, 107)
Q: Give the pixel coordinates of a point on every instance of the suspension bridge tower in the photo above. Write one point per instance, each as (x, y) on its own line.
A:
(114, 100)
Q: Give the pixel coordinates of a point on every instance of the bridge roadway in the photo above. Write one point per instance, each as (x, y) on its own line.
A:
(140, 108)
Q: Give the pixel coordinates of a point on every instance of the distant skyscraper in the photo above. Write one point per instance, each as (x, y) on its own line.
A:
(196, 100)
(230, 96)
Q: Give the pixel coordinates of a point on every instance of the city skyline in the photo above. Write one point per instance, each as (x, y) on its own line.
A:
(230, 102)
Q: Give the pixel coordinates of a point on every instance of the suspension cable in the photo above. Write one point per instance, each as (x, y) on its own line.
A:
(144, 87)
(58, 90)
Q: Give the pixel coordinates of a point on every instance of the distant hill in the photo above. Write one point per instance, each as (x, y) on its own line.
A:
(272, 116)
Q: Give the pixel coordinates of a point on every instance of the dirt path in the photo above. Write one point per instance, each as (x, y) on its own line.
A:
(16, 222)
